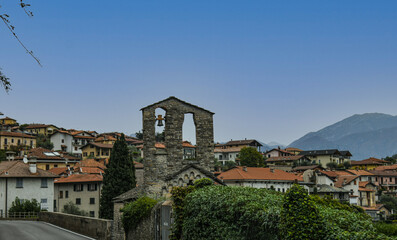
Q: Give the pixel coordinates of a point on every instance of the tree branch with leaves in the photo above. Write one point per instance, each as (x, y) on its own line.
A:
(6, 20)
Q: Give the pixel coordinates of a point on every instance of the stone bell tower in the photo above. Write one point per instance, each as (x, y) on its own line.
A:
(164, 168)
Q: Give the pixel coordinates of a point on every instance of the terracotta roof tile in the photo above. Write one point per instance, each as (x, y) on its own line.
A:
(285, 158)
(344, 180)
(58, 170)
(187, 144)
(90, 163)
(360, 172)
(253, 173)
(20, 169)
(391, 167)
(369, 161)
(75, 178)
(16, 134)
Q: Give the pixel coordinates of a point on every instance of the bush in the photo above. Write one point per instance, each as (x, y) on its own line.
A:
(135, 212)
(300, 218)
(72, 208)
(238, 213)
(203, 182)
(386, 228)
(232, 213)
(19, 205)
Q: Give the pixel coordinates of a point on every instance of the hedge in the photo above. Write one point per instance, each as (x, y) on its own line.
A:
(237, 213)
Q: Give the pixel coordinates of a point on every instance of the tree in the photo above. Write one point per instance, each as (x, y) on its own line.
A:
(250, 157)
(347, 164)
(390, 202)
(299, 217)
(139, 135)
(19, 205)
(3, 155)
(332, 165)
(228, 165)
(43, 142)
(119, 177)
(72, 208)
(4, 81)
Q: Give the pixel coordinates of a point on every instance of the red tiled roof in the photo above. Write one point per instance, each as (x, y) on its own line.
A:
(361, 189)
(285, 158)
(360, 172)
(100, 145)
(75, 178)
(89, 163)
(227, 150)
(293, 149)
(58, 170)
(91, 170)
(20, 169)
(369, 161)
(187, 144)
(45, 154)
(391, 167)
(242, 142)
(38, 125)
(253, 173)
(16, 134)
(343, 180)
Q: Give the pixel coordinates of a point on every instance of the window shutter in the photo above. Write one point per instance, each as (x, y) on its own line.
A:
(82, 187)
(96, 186)
(74, 187)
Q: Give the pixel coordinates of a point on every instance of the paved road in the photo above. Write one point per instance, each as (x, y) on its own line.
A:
(34, 230)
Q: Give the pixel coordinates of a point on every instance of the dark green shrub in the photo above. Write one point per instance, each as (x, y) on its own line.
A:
(300, 218)
(203, 182)
(178, 197)
(71, 208)
(135, 212)
(232, 213)
(19, 205)
(386, 228)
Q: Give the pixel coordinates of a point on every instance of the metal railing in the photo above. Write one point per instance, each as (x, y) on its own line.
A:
(19, 215)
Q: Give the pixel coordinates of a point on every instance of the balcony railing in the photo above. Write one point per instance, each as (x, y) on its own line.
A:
(20, 215)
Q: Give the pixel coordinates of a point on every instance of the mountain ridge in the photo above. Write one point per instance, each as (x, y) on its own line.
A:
(364, 135)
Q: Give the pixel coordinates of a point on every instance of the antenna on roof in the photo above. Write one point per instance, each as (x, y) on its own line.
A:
(25, 159)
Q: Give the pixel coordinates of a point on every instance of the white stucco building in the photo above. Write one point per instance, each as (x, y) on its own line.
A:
(25, 181)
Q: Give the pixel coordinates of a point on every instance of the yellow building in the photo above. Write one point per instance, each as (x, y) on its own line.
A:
(47, 159)
(10, 140)
(8, 121)
(41, 129)
(98, 151)
(368, 164)
(323, 157)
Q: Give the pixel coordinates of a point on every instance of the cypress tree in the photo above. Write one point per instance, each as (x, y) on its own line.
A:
(119, 177)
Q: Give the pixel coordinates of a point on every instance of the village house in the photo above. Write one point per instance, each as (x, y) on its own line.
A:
(269, 178)
(83, 190)
(47, 159)
(70, 141)
(386, 180)
(277, 152)
(25, 181)
(230, 151)
(97, 151)
(7, 123)
(9, 140)
(291, 161)
(295, 151)
(368, 164)
(44, 129)
(323, 157)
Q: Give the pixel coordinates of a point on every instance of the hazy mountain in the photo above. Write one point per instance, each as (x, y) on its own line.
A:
(364, 135)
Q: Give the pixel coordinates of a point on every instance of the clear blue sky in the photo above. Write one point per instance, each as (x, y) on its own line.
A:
(270, 70)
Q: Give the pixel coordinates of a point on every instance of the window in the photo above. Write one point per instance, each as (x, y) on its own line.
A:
(19, 141)
(43, 200)
(47, 167)
(75, 148)
(92, 213)
(5, 141)
(55, 165)
(92, 200)
(12, 140)
(220, 157)
(31, 143)
(44, 183)
(63, 141)
(92, 187)
(66, 194)
(85, 154)
(19, 182)
(60, 194)
(78, 201)
(91, 154)
(78, 187)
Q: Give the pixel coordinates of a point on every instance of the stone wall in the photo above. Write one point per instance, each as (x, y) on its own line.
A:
(92, 227)
(159, 164)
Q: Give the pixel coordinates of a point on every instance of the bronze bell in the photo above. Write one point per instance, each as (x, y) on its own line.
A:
(160, 120)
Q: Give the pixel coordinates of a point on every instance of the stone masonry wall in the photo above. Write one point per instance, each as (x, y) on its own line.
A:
(92, 227)
(160, 163)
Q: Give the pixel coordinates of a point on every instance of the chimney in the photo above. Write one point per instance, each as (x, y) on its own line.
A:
(244, 168)
(272, 170)
(32, 165)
